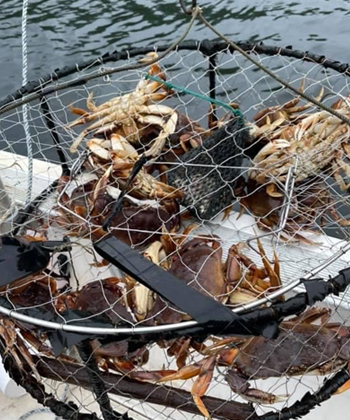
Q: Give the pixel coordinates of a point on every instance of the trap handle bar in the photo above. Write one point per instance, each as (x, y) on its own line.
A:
(208, 312)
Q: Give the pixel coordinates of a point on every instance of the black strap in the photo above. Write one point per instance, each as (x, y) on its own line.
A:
(119, 203)
(203, 309)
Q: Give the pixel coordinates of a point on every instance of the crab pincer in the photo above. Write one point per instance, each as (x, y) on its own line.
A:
(204, 370)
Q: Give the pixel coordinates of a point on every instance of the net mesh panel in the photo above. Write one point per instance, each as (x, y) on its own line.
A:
(314, 230)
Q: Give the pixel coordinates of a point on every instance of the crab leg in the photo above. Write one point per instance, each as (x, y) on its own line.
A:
(239, 384)
(205, 370)
(336, 169)
(337, 218)
(186, 372)
(77, 141)
(151, 119)
(151, 376)
(327, 368)
(90, 103)
(180, 349)
(275, 280)
(267, 128)
(202, 383)
(88, 117)
(295, 109)
(227, 356)
(159, 142)
(311, 315)
(101, 124)
(15, 346)
(78, 111)
(106, 128)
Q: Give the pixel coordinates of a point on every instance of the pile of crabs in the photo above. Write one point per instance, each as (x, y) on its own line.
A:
(307, 343)
(284, 137)
(151, 219)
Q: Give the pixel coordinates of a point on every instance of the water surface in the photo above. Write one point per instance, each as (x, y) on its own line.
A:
(68, 31)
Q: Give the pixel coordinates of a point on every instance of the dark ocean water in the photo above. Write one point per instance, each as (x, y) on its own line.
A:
(64, 32)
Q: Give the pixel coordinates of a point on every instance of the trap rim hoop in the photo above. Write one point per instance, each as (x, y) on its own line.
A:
(207, 47)
(171, 327)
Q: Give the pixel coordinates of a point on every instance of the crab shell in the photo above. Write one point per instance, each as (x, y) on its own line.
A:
(198, 263)
(136, 225)
(318, 141)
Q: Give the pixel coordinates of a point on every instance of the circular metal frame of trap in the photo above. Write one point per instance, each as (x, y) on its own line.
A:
(41, 89)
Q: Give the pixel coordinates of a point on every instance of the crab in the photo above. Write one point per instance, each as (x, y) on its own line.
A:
(301, 348)
(316, 144)
(310, 206)
(271, 123)
(112, 160)
(131, 112)
(85, 210)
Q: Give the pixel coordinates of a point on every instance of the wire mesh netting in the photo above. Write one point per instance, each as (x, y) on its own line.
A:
(241, 191)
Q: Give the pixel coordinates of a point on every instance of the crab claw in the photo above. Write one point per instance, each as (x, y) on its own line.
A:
(96, 146)
(273, 191)
(187, 372)
(101, 185)
(239, 384)
(344, 387)
(202, 383)
(143, 296)
(169, 128)
(271, 147)
(152, 55)
(274, 277)
(227, 356)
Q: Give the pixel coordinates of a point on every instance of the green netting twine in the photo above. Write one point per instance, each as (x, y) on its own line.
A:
(236, 112)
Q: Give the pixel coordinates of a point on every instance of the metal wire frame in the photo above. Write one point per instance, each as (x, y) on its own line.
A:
(209, 49)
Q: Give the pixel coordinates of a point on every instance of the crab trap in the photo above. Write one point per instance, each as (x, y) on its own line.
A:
(177, 246)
